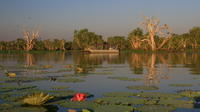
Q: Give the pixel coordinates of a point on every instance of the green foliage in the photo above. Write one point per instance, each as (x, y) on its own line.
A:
(84, 39)
(117, 42)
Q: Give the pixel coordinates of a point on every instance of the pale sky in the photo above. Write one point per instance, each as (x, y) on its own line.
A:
(59, 18)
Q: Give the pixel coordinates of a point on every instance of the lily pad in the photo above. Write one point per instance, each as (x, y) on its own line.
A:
(190, 93)
(95, 107)
(60, 87)
(143, 87)
(120, 100)
(181, 85)
(70, 80)
(155, 108)
(120, 94)
(125, 78)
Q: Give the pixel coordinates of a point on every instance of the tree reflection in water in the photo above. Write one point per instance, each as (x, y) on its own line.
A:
(155, 65)
(30, 60)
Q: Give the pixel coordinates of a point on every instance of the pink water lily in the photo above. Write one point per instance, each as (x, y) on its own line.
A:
(79, 97)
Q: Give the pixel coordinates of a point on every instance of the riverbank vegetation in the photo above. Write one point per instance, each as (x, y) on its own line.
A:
(151, 36)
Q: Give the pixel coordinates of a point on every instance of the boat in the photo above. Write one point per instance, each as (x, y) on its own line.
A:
(102, 51)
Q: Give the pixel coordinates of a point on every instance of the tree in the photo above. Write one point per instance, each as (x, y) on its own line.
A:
(83, 39)
(20, 44)
(135, 38)
(117, 42)
(151, 25)
(29, 37)
(194, 37)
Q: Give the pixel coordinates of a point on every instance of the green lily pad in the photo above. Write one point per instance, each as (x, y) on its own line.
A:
(125, 78)
(16, 87)
(60, 87)
(120, 94)
(96, 107)
(120, 100)
(143, 87)
(70, 80)
(158, 95)
(155, 108)
(181, 85)
(176, 103)
(190, 93)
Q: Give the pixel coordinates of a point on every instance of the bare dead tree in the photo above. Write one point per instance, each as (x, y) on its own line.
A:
(29, 37)
(153, 28)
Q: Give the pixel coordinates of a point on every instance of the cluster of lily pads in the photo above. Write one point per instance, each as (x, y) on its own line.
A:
(27, 98)
(30, 98)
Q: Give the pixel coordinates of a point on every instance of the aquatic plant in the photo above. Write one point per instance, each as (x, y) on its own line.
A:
(85, 110)
(60, 87)
(9, 74)
(143, 87)
(190, 93)
(47, 66)
(79, 70)
(79, 97)
(37, 98)
(16, 87)
(181, 85)
(125, 78)
(120, 94)
(71, 80)
(102, 73)
(120, 100)
(158, 95)
(155, 108)
(23, 79)
(96, 107)
(176, 103)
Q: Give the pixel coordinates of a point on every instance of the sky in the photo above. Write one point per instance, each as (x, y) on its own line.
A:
(59, 18)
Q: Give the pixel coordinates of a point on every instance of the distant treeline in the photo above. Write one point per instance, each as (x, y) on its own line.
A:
(84, 39)
(153, 37)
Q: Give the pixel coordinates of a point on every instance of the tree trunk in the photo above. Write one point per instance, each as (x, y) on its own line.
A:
(153, 44)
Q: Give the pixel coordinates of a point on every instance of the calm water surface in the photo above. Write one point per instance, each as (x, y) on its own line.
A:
(157, 69)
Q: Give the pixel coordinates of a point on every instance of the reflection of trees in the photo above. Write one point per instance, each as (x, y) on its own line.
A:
(137, 61)
(89, 61)
(157, 63)
(151, 77)
(30, 60)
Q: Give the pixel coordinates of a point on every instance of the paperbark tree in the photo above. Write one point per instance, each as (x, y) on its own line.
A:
(151, 25)
(29, 37)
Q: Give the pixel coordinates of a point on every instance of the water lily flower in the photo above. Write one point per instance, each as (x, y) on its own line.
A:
(79, 97)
